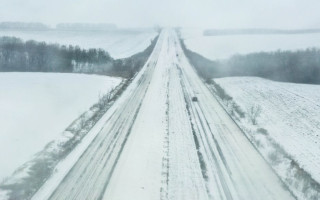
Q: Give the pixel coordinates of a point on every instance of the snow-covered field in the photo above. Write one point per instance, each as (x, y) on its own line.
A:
(290, 114)
(35, 108)
(119, 44)
(221, 47)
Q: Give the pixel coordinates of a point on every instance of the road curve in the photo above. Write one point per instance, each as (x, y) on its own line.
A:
(158, 144)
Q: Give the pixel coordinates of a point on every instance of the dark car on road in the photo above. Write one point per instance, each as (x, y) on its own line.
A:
(194, 99)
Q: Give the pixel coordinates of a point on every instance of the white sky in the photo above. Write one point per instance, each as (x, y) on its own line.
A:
(187, 13)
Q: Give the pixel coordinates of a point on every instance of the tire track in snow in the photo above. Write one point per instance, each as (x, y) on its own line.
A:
(114, 145)
(165, 158)
(186, 179)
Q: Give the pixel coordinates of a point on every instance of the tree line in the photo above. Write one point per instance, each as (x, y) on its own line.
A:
(302, 66)
(23, 26)
(31, 56)
(221, 32)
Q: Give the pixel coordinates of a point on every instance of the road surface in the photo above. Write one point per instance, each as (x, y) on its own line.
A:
(155, 143)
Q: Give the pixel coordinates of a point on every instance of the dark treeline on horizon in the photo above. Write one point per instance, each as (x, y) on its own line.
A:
(301, 66)
(31, 56)
(23, 26)
(221, 32)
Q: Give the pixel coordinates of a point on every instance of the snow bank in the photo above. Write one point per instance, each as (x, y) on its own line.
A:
(290, 113)
(221, 47)
(36, 108)
(287, 132)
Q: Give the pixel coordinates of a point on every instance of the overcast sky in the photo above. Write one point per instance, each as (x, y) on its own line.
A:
(187, 13)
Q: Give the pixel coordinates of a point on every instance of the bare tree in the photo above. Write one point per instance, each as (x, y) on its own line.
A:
(254, 112)
(105, 99)
(83, 121)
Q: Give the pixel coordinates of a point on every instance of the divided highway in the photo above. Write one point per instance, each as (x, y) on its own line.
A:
(158, 144)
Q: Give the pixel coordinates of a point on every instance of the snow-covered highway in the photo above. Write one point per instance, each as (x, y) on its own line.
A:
(156, 143)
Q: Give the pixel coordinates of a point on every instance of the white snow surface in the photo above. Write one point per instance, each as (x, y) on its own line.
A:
(35, 108)
(119, 44)
(144, 147)
(222, 47)
(290, 114)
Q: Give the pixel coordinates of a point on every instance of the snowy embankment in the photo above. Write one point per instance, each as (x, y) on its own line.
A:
(222, 47)
(119, 44)
(287, 130)
(37, 107)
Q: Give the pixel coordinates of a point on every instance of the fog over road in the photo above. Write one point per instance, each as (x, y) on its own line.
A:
(156, 143)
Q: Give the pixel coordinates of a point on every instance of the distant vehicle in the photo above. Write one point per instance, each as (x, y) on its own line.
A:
(194, 99)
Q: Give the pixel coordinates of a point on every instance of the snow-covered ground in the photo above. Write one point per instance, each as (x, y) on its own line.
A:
(119, 44)
(221, 47)
(35, 108)
(165, 146)
(290, 114)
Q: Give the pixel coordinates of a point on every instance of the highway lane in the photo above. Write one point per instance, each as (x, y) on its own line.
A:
(233, 167)
(90, 175)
